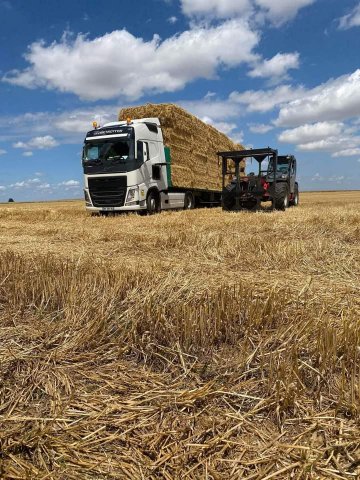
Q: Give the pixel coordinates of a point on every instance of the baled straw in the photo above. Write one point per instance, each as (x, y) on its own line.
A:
(193, 144)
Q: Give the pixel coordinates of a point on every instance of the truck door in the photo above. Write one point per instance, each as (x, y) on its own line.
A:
(154, 170)
(158, 169)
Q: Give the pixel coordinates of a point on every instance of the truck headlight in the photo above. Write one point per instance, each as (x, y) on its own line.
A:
(133, 195)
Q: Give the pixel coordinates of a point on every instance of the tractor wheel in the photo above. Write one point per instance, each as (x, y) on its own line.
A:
(295, 201)
(281, 197)
(228, 199)
(153, 202)
(189, 201)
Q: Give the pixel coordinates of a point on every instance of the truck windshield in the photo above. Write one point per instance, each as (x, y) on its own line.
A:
(119, 150)
(109, 156)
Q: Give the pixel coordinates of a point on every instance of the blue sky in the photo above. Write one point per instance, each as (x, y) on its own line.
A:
(283, 73)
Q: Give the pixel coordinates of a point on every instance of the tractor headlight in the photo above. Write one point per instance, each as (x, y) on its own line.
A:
(132, 196)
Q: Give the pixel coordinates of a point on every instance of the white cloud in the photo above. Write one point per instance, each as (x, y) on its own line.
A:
(40, 143)
(172, 20)
(99, 69)
(260, 128)
(44, 186)
(30, 182)
(2, 188)
(336, 99)
(80, 121)
(70, 126)
(230, 129)
(218, 110)
(216, 8)
(337, 138)
(266, 100)
(317, 178)
(348, 152)
(69, 183)
(339, 179)
(277, 11)
(43, 142)
(311, 132)
(20, 145)
(331, 144)
(280, 11)
(2, 151)
(28, 154)
(350, 20)
(35, 184)
(276, 67)
(224, 127)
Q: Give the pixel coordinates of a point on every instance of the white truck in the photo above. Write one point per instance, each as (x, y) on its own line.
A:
(128, 168)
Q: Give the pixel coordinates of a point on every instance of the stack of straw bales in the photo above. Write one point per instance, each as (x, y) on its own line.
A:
(193, 144)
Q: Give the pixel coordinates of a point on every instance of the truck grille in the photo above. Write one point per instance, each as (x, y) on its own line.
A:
(107, 191)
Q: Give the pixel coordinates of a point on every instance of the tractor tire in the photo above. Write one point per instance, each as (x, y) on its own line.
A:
(189, 201)
(295, 201)
(153, 202)
(281, 197)
(228, 199)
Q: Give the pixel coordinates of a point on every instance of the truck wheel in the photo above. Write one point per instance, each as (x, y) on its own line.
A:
(295, 201)
(153, 202)
(189, 201)
(281, 197)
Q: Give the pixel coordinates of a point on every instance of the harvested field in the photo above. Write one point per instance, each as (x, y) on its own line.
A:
(193, 144)
(186, 345)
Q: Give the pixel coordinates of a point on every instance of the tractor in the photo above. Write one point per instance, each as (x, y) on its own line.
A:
(274, 181)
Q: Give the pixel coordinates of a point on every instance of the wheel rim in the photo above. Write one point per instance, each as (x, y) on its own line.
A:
(286, 201)
(296, 199)
(152, 204)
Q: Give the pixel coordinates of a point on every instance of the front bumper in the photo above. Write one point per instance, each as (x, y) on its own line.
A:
(125, 208)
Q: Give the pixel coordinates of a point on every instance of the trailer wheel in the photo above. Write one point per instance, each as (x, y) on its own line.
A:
(189, 201)
(281, 197)
(153, 202)
(295, 201)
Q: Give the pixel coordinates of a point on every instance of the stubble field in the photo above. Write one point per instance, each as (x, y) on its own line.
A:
(186, 345)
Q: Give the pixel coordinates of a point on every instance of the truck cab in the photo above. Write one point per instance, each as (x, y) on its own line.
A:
(126, 168)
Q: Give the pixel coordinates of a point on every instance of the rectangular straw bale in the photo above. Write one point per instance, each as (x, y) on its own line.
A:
(193, 144)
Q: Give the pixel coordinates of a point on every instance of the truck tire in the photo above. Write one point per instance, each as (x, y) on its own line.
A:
(295, 201)
(189, 201)
(153, 202)
(281, 197)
